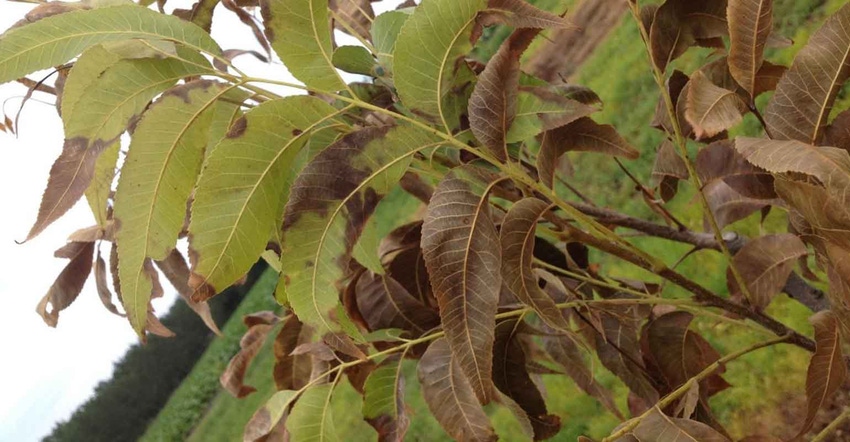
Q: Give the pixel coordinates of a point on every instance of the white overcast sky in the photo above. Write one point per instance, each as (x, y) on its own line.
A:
(47, 373)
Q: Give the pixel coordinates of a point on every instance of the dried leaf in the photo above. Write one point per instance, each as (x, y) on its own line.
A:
(462, 252)
(384, 303)
(804, 96)
(711, 109)
(103, 290)
(669, 168)
(765, 264)
(827, 369)
(267, 417)
(356, 15)
(727, 205)
(493, 103)
(521, 14)
(291, 372)
(750, 25)
(233, 377)
(658, 427)
(582, 135)
(838, 132)
(720, 160)
(450, 396)
(70, 281)
(618, 350)
(679, 23)
(176, 270)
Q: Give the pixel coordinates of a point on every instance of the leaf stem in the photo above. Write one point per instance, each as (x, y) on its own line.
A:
(837, 422)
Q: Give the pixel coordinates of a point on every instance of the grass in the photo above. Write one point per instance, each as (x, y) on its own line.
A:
(619, 73)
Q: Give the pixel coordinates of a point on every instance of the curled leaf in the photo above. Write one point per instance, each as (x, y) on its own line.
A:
(70, 281)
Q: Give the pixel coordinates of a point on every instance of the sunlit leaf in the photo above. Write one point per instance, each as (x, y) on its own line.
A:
(450, 397)
(804, 96)
(750, 24)
(462, 252)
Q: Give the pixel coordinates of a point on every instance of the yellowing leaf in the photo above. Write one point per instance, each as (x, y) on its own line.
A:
(244, 183)
(299, 32)
(55, 40)
(385, 30)
(462, 252)
(330, 202)
(430, 44)
(150, 203)
(269, 415)
(750, 24)
(450, 397)
(827, 369)
(804, 96)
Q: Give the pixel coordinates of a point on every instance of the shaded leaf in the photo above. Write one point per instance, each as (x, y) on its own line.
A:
(177, 272)
(233, 377)
(711, 109)
(659, 427)
(765, 264)
(356, 14)
(618, 350)
(677, 25)
(103, 290)
(462, 252)
(450, 397)
(511, 377)
(669, 168)
(291, 372)
(539, 109)
(430, 44)
(70, 281)
(383, 401)
(300, 35)
(582, 135)
(55, 40)
(804, 96)
(493, 103)
(827, 369)
(828, 216)
(156, 180)
(720, 161)
(384, 303)
(727, 205)
(239, 197)
(750, 25)
(312, 417)
(838, 132)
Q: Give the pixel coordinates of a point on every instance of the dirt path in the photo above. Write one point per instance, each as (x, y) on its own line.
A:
(568, 49)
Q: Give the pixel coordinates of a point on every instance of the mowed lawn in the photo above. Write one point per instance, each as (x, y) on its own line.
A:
(766, 383)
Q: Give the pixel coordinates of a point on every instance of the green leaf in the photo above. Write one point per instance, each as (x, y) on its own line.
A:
(383, 401)
(354, 59)
(430, 44)
(311, 418)
(300, 34)
(385, 31)
(101, 113)
(55, 40)
(98, 192)
(239, 197)
(329, 205)
(538, 110)
(463, 255)
(162, 164)
(267, 416)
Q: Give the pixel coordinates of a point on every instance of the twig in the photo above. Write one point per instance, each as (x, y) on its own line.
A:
(837, 422)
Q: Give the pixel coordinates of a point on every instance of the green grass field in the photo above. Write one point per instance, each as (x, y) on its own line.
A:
(199, 410)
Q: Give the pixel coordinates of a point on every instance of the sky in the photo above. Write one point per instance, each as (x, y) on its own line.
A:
(48, 372)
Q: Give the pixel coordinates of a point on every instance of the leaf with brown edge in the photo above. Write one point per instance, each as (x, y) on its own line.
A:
(720, 161)
(383, 400)
(582, 135)
(511, 377)
(269, 417)
(384, 303)
(658, 427)
(176, 270)
(521, 14)
(680, 353)
(462, 252)
(830, 165)
(517, 236)
(450, 397)
(765, 264)
(668, 170)
(804, 96)
(233, 377)
(291, 372)
(545, 108)
(712, 109)
(619, 351)
(70, 281)
(103, 291)
(827, 369)
(750, 25)
(493, 103)
(357, 16)
(564, 349)
(678, 24)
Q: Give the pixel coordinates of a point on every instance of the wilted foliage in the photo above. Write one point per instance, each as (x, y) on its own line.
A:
(488, 278)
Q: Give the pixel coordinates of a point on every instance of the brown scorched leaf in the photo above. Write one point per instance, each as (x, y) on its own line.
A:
(291, 372)
(750, 24)
(450, 397)
(233, 377)
(669, 168)
(658, 427)
(765, 264)
(619, 351)
(385, 303)
(720, 161)
(712, 109)
(463, 256)
(804, 96)
(176, 270)
(521, 14)
(678, 24)
(493, 103)
(356, 16)
(582, 135)
(827, 369)
(70, 281)
(103, 290)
